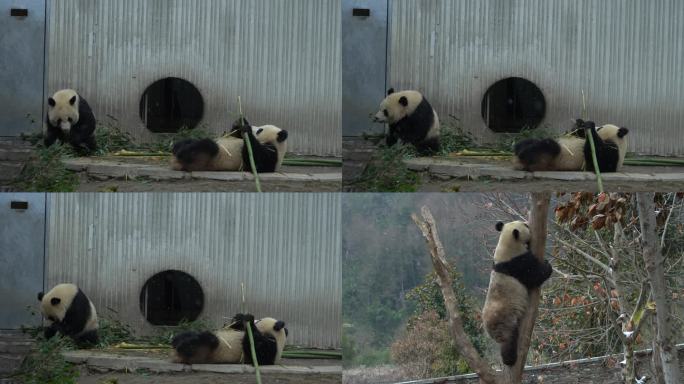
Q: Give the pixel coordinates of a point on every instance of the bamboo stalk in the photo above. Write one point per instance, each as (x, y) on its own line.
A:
(590, 137)
(248, 143)
(255, 362)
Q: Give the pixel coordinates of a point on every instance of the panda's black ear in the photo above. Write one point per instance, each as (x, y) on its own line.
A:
(279, 325)
(72, 101)
(403, 101)
(622, 132)
(390, 91)
(51, 102)
(55, 301)
(499, 226)
(516, 234)
(40, 296)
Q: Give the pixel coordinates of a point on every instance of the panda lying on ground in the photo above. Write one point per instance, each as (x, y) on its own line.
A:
(269, 145)
(411, 119)
(573, 152)
(69, 312)
(516, 270)
(230, 345)
(70, 120)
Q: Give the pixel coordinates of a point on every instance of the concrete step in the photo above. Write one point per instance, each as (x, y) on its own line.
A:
(9, 363)
(16, 154)
(9, 170)
(15, 346)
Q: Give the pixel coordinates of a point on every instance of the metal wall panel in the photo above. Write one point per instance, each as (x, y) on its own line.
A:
(284, 247)
(364, 65)
(22, 66)
(282, 57)
(22, 257)
(625, 55)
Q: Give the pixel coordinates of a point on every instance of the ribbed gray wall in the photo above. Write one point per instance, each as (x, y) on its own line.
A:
(284, 247)
(282, 57)
(625, 54)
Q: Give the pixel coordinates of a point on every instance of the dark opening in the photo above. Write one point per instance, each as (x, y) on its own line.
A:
(513, 104)
(170, 104)
(171, 296)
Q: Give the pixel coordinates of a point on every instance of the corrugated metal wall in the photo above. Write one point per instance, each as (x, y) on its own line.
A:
(284, 247)
(282, 57)
(626, 56)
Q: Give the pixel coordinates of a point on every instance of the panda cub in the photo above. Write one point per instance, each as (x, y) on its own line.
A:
(573, 152)
(70, 120)
(230, 345)
(515, 271)
(411, 119)
(269, 145)
(69, 312)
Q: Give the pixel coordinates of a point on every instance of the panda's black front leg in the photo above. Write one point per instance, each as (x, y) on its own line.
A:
(392, 136)
(50, 331)
(50, 137)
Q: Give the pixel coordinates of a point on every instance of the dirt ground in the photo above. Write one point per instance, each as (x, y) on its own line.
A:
(204, 378)
(204, 186)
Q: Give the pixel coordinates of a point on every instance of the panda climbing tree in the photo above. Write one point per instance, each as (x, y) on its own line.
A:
(535, 232)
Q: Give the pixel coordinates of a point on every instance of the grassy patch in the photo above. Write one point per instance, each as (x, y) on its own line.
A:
(112, 332)
(46, 365)
(388, 173)
(165, 335)
(507, 141)
(47, 173)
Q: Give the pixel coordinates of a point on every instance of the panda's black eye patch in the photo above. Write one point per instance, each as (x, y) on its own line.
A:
(260, 131)
(71, 120)
(59, 121)
(385, 113)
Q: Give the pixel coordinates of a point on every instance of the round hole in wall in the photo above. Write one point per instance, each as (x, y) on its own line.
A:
(170, 104)
(513, 104)
(169, 297)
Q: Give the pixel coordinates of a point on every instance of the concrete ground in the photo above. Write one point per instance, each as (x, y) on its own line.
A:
(139, 367)
(483, 175)
(153, 174)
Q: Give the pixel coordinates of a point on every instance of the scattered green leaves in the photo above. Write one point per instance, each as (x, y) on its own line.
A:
(46, 365)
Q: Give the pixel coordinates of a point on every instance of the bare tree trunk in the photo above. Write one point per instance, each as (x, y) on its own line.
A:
(510, 375)
(654, 260)
(539, 204)
(428, 227)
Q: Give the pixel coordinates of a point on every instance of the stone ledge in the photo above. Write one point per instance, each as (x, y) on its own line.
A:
(117, 170)
(113, 362)
(456, 169)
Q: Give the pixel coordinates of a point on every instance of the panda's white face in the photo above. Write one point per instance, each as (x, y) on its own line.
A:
(54, 304)
(275, 328)
(396, 106)
(614, 133)
(63, 109)
(514, 240)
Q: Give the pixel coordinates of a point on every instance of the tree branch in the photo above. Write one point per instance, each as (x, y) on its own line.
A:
(654, 261)
(539, 203)
(428, 228)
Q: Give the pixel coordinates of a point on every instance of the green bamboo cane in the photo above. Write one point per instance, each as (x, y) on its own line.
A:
(248, 143)
(590, 137)
(251, 339)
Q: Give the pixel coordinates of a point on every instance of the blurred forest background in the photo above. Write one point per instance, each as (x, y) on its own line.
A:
(393, 312)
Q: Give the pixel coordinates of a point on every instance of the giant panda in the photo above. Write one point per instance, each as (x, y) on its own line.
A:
(573, 152)
(70, 120)
(230, 345)
(69, 312)
(515, 271)
(269, 145)
(411, 119)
